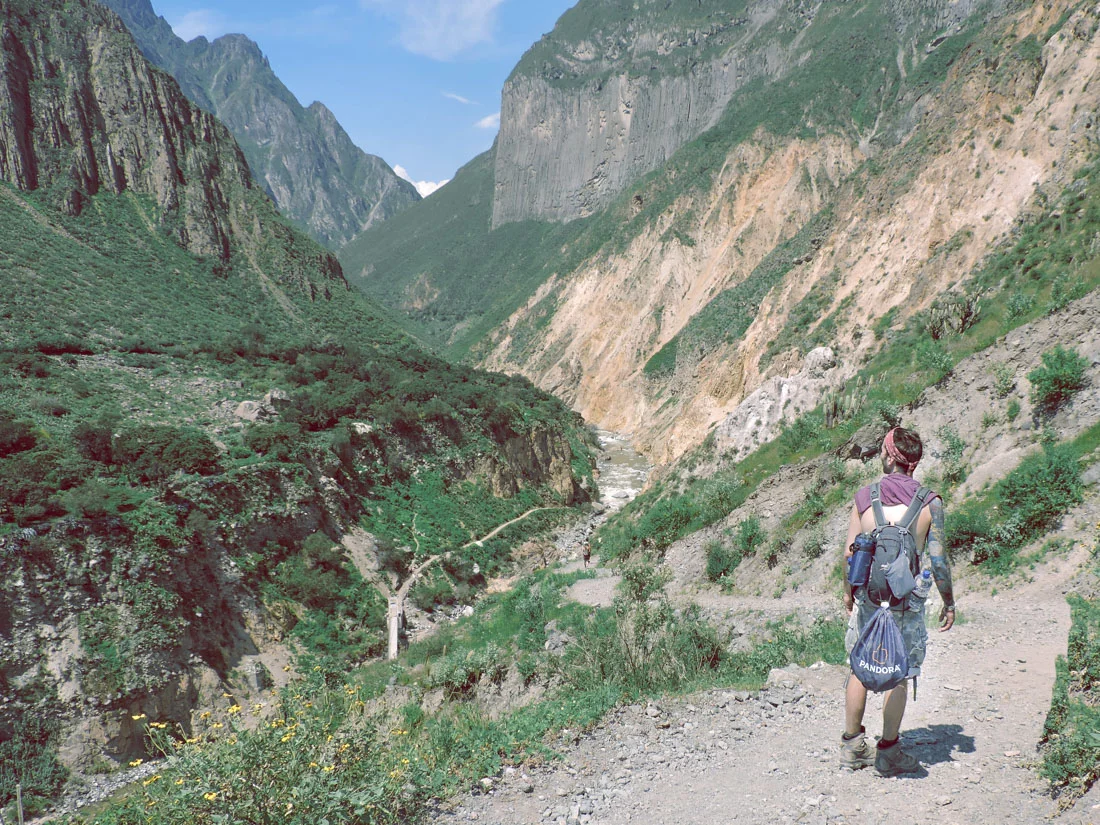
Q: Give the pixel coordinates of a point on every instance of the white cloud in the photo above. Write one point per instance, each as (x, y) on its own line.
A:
(424, 187)
(204, 22)
(440, 29)
(463, 100)
(490, 122)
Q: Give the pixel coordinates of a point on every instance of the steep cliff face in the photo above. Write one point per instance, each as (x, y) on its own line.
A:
(666, 335)
(616, 89)
(89, 114)
(302, 157)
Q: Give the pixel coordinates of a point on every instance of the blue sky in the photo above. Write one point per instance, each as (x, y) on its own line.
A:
(415, 81)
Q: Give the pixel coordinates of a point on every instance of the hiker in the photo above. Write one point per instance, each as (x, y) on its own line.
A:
(901, 452)
(586, 553)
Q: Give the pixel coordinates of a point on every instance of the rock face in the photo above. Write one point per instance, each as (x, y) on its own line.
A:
(907, 217)
(89, 114)
(302, 157)
(608, 97)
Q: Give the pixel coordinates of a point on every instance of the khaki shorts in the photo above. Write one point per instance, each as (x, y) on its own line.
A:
(910, 623)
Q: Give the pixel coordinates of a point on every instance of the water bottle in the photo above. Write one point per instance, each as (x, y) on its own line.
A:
(924, 585)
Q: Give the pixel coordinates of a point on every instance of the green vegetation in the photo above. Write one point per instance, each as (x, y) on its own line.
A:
(1060, 377)
(317, 752)
(29, 758)
(1023, 506)
(122, 358)
(1071, 734)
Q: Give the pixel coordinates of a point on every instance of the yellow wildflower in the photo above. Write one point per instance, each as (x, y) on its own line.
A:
(228, 695)
(150, 803)
(158, 725)
(179, 781)
(204, 715)
(286, 668)
(257, 707)
(234, 709)
(316, 668)
(328, 768)
(210, 796)
(217, 725)
(314, 765)
(287, 737)
(138, 718)
(154, 778)
(135, 763)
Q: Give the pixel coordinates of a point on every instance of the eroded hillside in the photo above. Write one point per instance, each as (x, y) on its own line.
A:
(800, 241)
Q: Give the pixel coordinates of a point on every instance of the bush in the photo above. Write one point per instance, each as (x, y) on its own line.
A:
(1041, 489)
(801, 434)
(954, 468)
(750, 535)
(277, 441)
(666, 521)
(721, 560)
(155, 452)
(29, 758)
(1071, 734)
(15, 436)
(1004, 379)
(1060, 377)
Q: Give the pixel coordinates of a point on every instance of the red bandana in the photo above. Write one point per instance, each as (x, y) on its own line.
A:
(895, 453)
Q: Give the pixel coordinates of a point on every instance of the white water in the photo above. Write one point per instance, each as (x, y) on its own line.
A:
(623, 472)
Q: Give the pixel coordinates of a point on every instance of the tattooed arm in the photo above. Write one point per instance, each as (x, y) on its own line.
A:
(941, 571)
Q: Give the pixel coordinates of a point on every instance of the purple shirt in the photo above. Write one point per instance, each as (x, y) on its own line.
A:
(896, 488)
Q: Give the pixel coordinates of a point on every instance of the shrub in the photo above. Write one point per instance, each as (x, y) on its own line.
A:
(29, 758)
(15, 436)
(750, 535)
(666, 521)
(1071, 734)
(1041, 489)
(457, 673)
(1012, 410)
(277, 441)
(94, 440)
(721, 560)
(800, 434)
(816, 543)
(932, 356)
(954, 468)
(1060, 377)
(1004, 379)
(154, 452)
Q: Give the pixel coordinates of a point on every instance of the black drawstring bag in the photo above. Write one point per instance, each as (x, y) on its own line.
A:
(879, 659)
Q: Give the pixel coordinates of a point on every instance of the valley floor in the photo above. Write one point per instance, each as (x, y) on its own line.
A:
(727, 757)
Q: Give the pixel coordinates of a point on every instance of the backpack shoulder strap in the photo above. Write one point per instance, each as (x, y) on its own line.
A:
(876, 506)
(915, 507)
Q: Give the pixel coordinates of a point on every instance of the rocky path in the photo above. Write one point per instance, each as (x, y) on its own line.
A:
(728, 757)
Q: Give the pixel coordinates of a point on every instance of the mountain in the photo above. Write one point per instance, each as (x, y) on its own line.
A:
(686, 202)
(302, 157)
(212, 450)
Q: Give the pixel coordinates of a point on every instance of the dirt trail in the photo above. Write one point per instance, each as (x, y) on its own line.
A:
(725, 757)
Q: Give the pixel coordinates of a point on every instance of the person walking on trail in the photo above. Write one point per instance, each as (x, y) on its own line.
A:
(586, 553)
(901, 452)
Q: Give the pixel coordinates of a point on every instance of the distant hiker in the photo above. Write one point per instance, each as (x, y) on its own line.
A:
(586, 553)
(897, 490)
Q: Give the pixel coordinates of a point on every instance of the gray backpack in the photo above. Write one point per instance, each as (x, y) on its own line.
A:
(896, 563)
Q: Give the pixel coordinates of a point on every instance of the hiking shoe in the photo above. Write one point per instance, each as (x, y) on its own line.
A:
(856, 753)
(893, 761)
